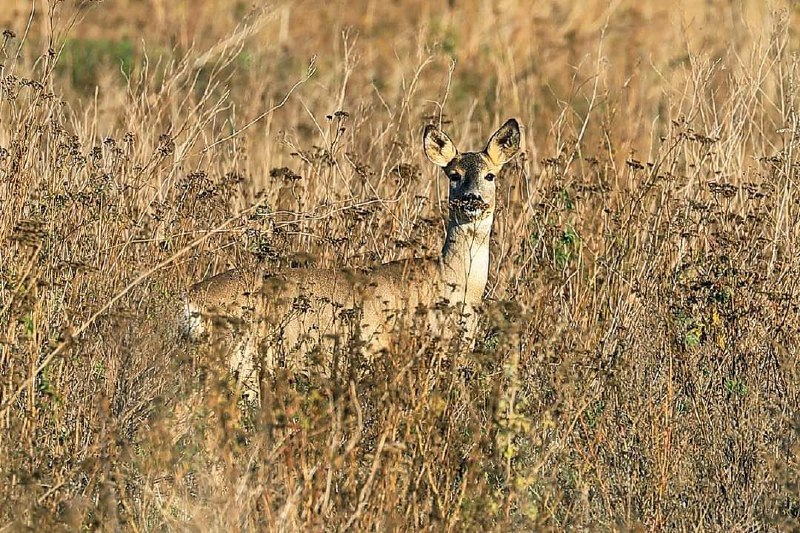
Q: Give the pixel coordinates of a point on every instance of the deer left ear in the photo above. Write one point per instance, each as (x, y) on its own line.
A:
(438, 146)
(504, 143)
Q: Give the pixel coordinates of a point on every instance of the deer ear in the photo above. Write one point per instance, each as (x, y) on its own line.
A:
(504, 143)
(438, 146)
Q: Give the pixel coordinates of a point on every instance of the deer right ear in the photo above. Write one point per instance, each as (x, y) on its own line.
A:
(504, 143)
(438, 146)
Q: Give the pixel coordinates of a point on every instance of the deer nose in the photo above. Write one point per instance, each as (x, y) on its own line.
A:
(472, 197)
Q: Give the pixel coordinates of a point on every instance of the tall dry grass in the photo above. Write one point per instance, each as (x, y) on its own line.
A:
(638, 364)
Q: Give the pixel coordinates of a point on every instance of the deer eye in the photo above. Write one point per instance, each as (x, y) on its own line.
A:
(489, 177)
(454, 176)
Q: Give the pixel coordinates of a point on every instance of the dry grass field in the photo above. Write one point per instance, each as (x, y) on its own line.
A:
(637, 367)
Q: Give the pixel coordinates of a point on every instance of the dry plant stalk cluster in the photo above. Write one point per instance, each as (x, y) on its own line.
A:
(638, 360)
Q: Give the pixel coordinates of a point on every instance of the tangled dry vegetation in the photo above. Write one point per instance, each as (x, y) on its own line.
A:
(638, 359)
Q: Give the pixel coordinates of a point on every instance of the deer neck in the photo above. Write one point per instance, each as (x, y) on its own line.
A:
(465, 260)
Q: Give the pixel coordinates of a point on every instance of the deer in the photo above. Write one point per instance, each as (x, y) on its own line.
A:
(268, 317)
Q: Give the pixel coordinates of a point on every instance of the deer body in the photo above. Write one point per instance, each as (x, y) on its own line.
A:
(291, 313)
